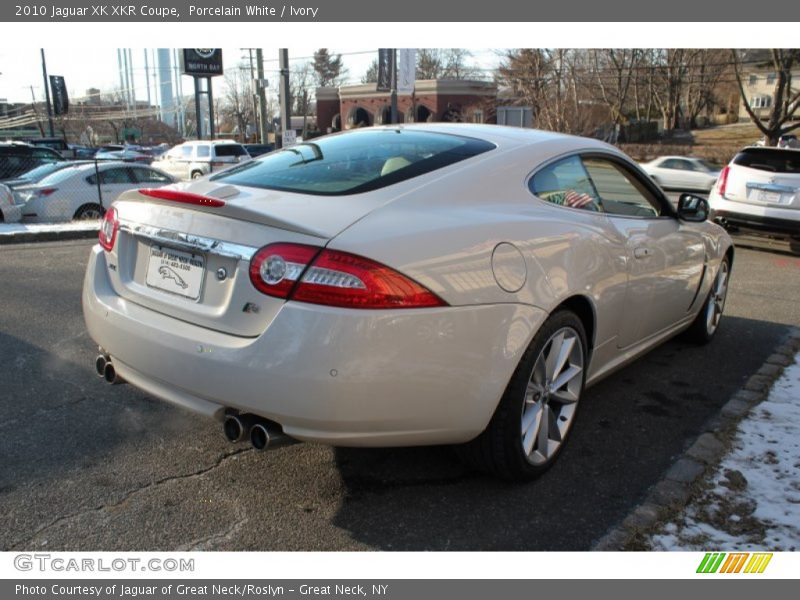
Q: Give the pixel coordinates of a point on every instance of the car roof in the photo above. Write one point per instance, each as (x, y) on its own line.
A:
(212, 142)
(502, 135)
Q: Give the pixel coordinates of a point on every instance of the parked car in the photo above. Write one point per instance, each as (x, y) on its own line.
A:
(18, 157)
(38, 173)
(430, 284)
(760, 191)
(10, 211)
(54, 143)
(192, 160)
(83, 191)
(788, 141)
(127, 155)
(258, 149)
(682, 173)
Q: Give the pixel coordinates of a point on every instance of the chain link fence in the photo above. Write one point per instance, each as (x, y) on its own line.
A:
(48, 191)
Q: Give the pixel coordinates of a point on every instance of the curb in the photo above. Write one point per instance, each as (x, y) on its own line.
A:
(27, 237)
(681, 481)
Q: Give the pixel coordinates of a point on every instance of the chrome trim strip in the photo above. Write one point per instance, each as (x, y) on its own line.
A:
(771, 187)
(188, 241)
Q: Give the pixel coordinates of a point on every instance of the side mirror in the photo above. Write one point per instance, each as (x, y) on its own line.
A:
(692, 208)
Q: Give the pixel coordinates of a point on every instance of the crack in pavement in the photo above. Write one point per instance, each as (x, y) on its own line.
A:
(205, 542)
(127, 495)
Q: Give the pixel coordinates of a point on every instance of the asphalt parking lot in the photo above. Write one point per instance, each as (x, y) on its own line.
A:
(88, 466)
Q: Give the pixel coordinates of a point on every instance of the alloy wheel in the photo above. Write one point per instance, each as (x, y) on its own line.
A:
(552, 395)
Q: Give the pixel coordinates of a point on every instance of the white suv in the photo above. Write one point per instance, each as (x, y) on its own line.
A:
(192, 160)
(760, 190)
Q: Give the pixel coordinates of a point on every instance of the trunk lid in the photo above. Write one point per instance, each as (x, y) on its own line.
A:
(192, 262)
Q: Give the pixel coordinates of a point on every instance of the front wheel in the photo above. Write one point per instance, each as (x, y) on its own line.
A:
(705, 325)
(534, 417)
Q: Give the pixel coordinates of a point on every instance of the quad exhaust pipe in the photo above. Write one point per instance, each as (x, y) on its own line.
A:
(106, 370)
(263, 434)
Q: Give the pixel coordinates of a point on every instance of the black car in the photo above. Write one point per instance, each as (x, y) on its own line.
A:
(18, 158)
(258, 149)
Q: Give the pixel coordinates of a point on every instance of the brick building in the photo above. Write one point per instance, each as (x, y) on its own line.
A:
(433, 100)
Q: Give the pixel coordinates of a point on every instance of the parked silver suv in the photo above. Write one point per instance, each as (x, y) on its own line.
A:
(192, 160)
(760, 190)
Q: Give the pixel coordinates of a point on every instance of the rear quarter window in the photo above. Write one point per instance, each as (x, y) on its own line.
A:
(229, 150)
(769, 159)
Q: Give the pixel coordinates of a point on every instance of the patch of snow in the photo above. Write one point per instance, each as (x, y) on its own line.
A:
(753, 500)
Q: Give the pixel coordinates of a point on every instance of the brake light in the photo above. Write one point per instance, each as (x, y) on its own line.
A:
(334, 278)
(275, 269)
(723, 181)
(183, 197)
(108, 229)
(47, 191)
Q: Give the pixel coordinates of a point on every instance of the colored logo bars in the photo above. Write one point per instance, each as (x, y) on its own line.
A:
(734, 562)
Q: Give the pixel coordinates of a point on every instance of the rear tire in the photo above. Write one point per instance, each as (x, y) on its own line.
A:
(707, 321)
(89, 212)
(535, 415)
(196, 174)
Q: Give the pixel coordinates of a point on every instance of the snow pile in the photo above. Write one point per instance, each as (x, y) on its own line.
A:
(753, 502)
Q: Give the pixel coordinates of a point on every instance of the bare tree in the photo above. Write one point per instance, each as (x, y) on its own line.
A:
(669, 72)
(614, 74)
(371, 76)
(785, 98)
(300, 82)
(237, 102)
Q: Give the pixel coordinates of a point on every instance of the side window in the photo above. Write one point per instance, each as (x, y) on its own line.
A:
(119, 175)
(203, 151)
(149, 176)
(186, 152)
(566, 183)
(670, 163)
(620, 192)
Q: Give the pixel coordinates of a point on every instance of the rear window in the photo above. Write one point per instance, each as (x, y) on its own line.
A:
(229, 150)
(769, 159)
(354, 162)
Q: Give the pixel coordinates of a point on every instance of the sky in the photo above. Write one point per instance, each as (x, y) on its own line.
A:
(83, 68)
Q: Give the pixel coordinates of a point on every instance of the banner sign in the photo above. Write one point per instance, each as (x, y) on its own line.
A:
(58, 90)
(384, 69)
(406, 70)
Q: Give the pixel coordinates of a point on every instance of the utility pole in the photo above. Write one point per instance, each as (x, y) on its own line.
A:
(210, 95)
(47, 95)
(393, 54)
(285, 95)
(262, 96)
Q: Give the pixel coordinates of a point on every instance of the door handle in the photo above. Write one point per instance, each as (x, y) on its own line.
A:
(642, 252)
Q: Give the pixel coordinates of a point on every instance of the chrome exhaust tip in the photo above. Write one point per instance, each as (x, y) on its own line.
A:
(110, 374)
(260, 436)
(265, 435)
(100, 365)
(237, 427)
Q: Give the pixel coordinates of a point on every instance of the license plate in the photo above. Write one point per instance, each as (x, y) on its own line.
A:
(768, 197)
(176, 272)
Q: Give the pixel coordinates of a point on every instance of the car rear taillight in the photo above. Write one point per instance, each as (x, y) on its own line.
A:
(108, 229)
(722, 182)
(275, 269)
(182, 197)
(334, 278)
(46, 191)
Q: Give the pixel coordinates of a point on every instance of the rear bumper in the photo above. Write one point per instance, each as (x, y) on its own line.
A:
(785, 221)
(337, 376)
